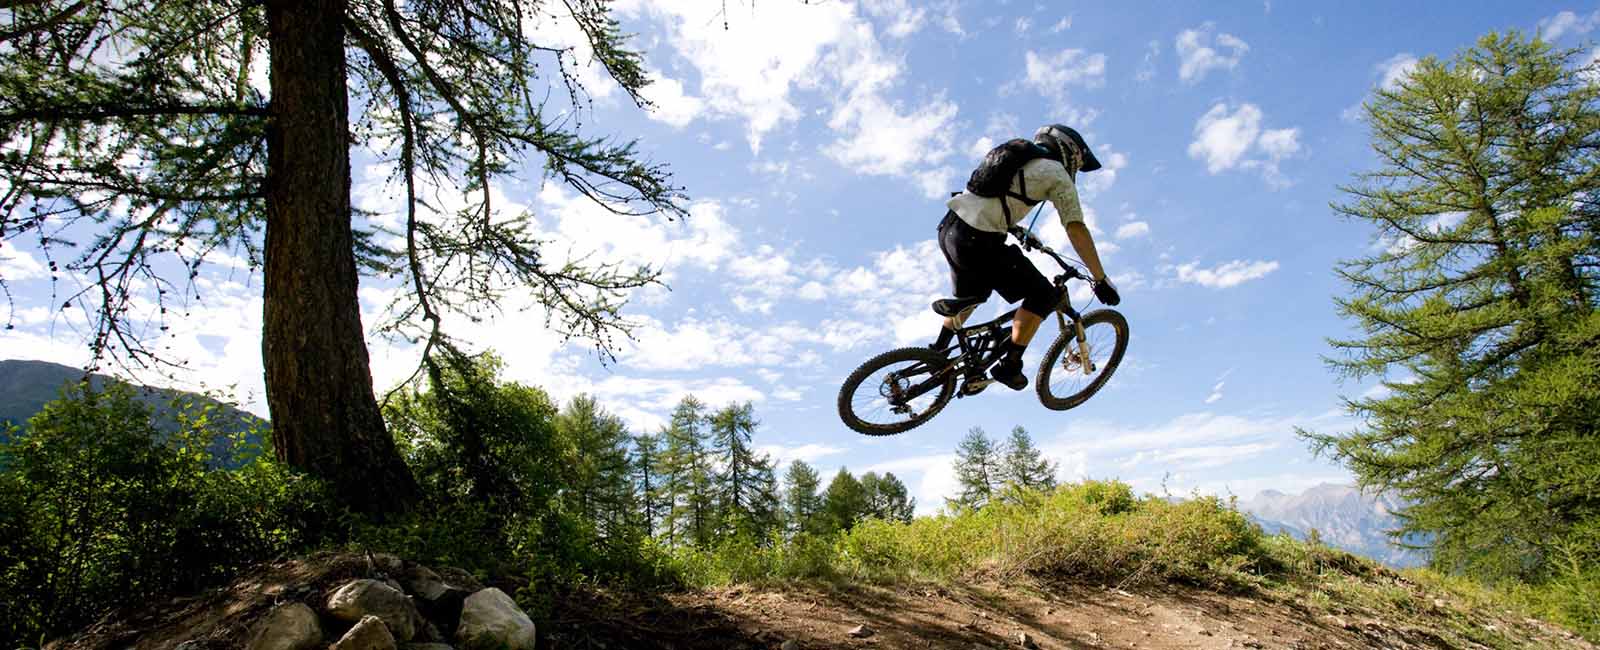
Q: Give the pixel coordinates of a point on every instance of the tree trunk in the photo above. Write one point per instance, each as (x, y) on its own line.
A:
(325, 420)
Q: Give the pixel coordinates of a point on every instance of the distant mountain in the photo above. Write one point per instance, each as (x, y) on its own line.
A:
(26, 386)
(1342, 515)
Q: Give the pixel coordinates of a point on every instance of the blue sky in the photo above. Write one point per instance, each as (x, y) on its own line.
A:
(817, 142)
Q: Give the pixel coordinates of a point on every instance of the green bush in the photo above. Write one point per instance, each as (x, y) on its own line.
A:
(1093, 530)
(99, 510)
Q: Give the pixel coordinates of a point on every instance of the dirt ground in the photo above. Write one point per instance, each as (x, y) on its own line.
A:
(1017, 614)
(998, 616)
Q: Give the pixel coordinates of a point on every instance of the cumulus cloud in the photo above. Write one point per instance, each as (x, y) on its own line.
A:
(670, 104)
(1554, 27)
(903, 19)
(1226, 138)
(1394, 70)
(1226, 274)
(17, 265)
(1201, 50)
(1132, 230)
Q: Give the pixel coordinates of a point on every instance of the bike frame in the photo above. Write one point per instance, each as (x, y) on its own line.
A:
(980, 344)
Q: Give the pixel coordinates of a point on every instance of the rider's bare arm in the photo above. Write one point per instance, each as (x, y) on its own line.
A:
(1065, 197)
(1083, 243)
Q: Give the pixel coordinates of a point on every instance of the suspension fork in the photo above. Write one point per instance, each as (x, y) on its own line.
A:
(1077, 332)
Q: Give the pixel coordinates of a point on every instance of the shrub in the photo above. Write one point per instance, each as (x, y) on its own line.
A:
(100, 510)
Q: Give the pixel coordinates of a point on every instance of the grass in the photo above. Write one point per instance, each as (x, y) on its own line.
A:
(1102, 532)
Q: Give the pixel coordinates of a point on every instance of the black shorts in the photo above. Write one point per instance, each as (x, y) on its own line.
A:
(982, 263)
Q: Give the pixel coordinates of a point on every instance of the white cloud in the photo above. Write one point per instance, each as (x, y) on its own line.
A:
(1147, 68)
(1395, 69)
(1051, 74)
(981, 147)
(904, 20)
(671, 105)
(807, 453)
(1197, 57)
(1216, 393)
(1061, 25)
(1225, 139)
(1225, 275)
(749, 69)
(1100, 180)
(1132, 230)
(1022, 25)
(17, 265)
(704, 239)
(1566, 22)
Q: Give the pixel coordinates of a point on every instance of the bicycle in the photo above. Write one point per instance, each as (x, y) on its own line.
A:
(1090, 349)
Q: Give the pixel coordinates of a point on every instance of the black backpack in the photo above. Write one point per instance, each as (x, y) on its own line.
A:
(992, 178)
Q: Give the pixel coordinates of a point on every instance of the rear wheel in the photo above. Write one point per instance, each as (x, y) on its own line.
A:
(896, 391)
(1063, 381)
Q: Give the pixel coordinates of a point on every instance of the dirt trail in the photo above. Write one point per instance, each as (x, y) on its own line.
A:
(990, 615)
(995, 616)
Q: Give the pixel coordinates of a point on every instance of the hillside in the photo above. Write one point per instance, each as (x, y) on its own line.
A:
(26, 386)
(1343, 517)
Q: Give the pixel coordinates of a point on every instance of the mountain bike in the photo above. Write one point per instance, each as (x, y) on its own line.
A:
(900, 389)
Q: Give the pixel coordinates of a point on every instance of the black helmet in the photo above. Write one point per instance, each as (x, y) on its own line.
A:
(1061, 138)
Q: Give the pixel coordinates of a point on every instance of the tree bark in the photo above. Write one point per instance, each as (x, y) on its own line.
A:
(325, 418)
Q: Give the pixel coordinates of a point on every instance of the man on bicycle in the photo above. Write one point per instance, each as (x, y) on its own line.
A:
(1012, 179)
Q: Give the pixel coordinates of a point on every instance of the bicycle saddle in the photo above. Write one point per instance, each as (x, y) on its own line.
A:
(953, 306)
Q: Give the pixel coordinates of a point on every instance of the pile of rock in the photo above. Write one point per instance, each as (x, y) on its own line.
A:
(410, 607)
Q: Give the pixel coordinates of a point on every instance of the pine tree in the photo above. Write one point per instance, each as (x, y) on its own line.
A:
(894, 500)
(802, 503)
(138, 145)
(687, 463)
(1478, 307)
(1024, 465)
(599, 485)
(647, 480)
(766, 509)
(977, 469)
(732, 428)
(845, 502)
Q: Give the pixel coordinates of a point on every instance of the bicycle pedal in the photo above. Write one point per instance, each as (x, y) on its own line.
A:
(975, 386)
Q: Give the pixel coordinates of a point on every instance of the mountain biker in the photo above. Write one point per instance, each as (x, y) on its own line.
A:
(973, 239)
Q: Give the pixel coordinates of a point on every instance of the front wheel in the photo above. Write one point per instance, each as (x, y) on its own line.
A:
(1071, 372)
(896, 391)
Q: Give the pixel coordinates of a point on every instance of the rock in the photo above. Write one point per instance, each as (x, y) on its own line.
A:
(370, 633)
(360, 598)
(426, 646)
(490, 620)
(438, 598)
(461, 578)
(860, 632)
(791, 644)
(1025, 641)
(289, 627)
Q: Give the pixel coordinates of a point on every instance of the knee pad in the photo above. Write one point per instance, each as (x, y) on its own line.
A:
(1043, 302)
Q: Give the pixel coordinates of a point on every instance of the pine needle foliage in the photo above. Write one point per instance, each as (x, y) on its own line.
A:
(1477, 308)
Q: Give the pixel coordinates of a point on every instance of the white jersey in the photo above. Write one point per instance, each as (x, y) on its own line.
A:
(1045, 178)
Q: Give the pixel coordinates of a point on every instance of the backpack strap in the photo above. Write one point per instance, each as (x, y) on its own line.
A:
(1022, 182)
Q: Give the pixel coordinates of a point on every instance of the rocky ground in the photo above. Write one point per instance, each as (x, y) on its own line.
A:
(358, 602)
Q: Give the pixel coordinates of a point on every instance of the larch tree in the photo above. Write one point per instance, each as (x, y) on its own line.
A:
(1024, 465)
(732, 428)
(845, 501)
(978, 469)
(1477, 308)
(647, 479)
(140, 140)
(687, 465)
(802, 503)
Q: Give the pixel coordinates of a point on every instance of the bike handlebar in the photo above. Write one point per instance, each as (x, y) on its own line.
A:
(1031, 242)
